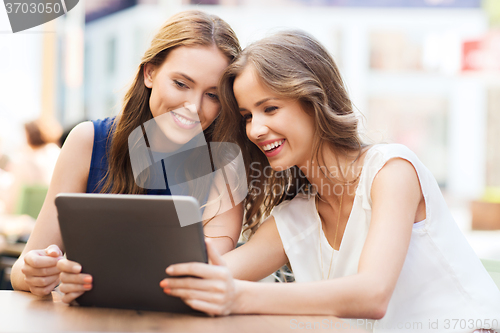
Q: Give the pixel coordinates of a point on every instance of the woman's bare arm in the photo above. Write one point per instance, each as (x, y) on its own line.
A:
(36, 270)
(395, 195)
(222, 221)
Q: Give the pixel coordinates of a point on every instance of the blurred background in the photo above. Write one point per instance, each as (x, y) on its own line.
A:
(424, 73)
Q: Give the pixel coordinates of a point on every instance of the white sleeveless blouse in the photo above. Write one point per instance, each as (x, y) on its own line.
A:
(442, 279)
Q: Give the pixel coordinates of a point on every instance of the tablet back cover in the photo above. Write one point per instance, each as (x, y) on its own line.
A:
(126, 242)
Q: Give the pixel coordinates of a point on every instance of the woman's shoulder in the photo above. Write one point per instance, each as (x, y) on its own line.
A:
(81, 134)
(378, 155)
(102, 127)
(73, 163)
(387, 151)
(85, 133)
(404, 163)
(104, 122)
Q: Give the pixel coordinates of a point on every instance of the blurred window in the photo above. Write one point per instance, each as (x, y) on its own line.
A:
(111, 52)
(95, 9)
(203, 2)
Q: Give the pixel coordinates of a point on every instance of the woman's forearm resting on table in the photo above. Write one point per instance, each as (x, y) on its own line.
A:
(215, 292)
(357, 296)
(17, 278)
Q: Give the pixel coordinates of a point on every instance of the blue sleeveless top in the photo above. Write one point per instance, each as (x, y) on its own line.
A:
(99, 162)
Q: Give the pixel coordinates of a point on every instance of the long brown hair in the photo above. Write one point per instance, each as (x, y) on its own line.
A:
(186, 28)
(293, 65)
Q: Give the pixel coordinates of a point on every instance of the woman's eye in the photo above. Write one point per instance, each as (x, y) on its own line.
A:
(246, 117)
(213, 96)
(180, 84)
(271, 108)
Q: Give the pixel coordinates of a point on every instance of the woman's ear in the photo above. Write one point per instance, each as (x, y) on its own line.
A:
(149, 70)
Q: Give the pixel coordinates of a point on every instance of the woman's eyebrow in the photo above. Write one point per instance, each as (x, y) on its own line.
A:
(264, 100)
(191, 80)
(185, 76)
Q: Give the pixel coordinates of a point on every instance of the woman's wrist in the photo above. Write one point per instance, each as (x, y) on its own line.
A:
(17, 277)
(242, 300)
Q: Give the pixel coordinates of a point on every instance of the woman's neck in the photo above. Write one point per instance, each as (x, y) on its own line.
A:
(332, 173)
(158, 142)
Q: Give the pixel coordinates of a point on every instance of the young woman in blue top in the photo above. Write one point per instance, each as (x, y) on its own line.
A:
(176, 82)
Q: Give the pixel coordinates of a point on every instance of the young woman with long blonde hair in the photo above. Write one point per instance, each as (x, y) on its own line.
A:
(176, 82)
(364, 228)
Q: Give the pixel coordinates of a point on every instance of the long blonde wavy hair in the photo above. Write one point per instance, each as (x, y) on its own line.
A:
(293, 65)
(186, 28)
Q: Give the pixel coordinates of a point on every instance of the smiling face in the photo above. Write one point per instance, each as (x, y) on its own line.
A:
(278, 126)
(184, 98)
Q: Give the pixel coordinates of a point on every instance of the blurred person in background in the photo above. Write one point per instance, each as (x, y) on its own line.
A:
(4, 159)
(6, 179)
(35, 163)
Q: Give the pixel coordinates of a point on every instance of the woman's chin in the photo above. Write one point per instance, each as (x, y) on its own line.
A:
(174, 132)
(180, 140)
(178, 135)
(171, 140)
(277, 167)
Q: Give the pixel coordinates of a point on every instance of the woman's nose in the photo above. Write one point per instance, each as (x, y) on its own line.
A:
(257, 129)
(193, 109)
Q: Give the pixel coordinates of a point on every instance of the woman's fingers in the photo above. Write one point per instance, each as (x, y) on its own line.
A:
(212, 304)
(70, 297)
(42, 291)
(71, 278)
(67, 288)
(207, 307)
(200, 270)
(40, 270)
(76, 278)
(30, 271)
(194, 283)
(53, 251)
(186, 294)
(42, 281)
(40, 263)
(72, 291)
(73, 283)
(39, 259)
(213, 271)
(69, 266)
(209, 302)
(212, 292)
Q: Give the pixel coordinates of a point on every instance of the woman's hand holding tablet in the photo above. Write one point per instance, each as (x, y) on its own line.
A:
(213, 290)
(41, 271)
(73, 282)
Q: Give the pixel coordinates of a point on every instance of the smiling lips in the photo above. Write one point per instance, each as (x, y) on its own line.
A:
(183, 121)
(273, 145)
(272, 148)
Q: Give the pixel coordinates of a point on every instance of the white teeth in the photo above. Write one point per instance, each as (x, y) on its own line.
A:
(273, 145)
(183, 120)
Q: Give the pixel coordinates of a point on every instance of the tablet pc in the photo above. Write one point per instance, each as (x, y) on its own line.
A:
(126, 242)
